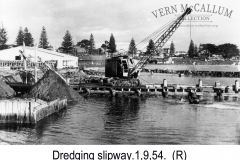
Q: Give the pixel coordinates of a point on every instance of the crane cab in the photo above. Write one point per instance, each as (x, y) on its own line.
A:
(118, 66)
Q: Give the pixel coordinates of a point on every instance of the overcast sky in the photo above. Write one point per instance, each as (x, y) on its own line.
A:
(124, 18)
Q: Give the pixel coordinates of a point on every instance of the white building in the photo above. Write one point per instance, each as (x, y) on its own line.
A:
(177, 53)
(62, 60)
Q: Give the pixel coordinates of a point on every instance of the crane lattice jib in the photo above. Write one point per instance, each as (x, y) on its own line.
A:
(173, 27)
(162, 40)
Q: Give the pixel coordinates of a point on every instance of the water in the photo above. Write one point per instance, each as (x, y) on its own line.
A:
(132, 120)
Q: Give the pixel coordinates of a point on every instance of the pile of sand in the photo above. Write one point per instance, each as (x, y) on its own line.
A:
(51, 86)
(5, 90)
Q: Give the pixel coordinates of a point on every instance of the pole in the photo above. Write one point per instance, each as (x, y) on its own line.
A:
(35, 68)
(24, 62)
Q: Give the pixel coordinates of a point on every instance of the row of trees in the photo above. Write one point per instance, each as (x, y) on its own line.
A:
(226, 50)
(24, 36)
(67, 45)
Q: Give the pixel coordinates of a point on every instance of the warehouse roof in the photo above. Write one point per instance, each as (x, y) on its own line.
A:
(30, 52)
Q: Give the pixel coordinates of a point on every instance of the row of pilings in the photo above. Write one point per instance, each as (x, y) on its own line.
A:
(164, 89)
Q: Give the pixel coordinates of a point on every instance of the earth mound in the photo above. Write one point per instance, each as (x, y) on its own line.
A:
(5, 90)
(51, 86)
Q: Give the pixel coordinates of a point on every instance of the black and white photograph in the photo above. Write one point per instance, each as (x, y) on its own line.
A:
(119, 72)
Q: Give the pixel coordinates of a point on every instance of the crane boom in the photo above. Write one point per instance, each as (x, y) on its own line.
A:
(161, 41)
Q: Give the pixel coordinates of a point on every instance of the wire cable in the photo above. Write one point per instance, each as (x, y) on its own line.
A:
(156, 33)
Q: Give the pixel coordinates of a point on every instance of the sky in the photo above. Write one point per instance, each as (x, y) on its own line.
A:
(125, 19)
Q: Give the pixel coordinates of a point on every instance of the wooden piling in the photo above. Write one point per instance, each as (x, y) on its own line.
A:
(164, 83)
(138, 92)
(217, 84)
(112, 92)
(28, 111)
(236, 86)
(200, 83)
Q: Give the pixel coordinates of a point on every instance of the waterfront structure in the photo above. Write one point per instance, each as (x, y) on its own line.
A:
(11, 57)
(28, 111)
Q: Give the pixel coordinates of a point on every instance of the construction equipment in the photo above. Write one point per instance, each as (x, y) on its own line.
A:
(123, 70)
(44, 67)
(161, 41)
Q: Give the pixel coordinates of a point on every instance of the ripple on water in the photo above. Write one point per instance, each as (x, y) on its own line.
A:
(126, 120)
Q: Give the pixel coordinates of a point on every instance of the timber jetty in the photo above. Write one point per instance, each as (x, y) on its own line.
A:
(28, 111)
(162, 89)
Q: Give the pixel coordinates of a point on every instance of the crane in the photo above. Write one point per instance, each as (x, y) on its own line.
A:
(122, 70)
(161, 41)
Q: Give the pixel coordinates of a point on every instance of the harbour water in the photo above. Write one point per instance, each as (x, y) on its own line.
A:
(133, 120)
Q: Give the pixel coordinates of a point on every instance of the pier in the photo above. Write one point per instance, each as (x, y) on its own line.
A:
(162, 89)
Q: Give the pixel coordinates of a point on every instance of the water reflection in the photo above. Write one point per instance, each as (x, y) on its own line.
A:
(27, 133)
(46, 122)
(238, 134)
(132, 120)
(120, 118)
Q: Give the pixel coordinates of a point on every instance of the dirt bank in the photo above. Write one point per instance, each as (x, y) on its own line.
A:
(5, 90)
(51, 86)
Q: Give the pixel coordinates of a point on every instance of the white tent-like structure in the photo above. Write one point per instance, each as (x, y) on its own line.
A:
(62, 60)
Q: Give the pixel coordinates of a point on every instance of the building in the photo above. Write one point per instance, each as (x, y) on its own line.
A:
(79, 50)
(178, 53)
(12, 56)
(168, 60)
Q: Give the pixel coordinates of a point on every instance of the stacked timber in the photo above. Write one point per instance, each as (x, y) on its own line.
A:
(51, 86)
(5, 90)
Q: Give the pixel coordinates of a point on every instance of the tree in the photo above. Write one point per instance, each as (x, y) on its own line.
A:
(86, 44)
(92, 44)
(112, 46)
(28, 40)
(20, 37)
(195, 50)
(228, 50)
(67, 44)
(191, 49)
(132, 48)
(105, 45)
(43, 42)
(208, 49)
(150, 47)
(172, 49)
(3, 38)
